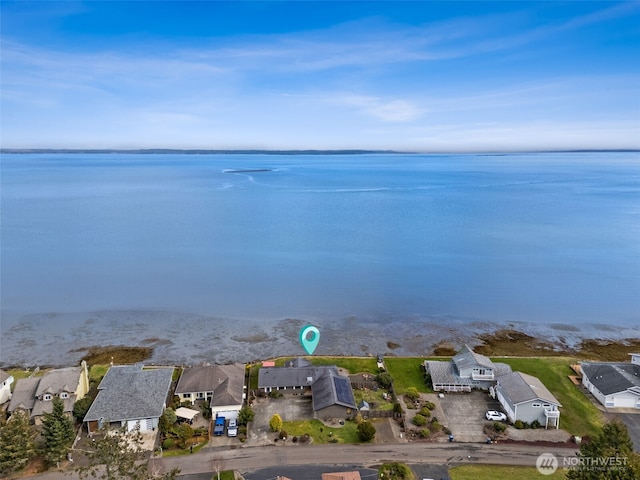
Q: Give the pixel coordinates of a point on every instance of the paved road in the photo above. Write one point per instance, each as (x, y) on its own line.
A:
(254, 458)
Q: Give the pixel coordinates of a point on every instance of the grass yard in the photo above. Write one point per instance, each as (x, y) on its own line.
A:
(500, 472)
(375, 399)
(352, 364)
(579, 416)
(406, 372)
(322, 433)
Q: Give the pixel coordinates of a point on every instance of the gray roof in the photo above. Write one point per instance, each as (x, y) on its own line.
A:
(444, 373)
(231, 390)
(46, 406)
(128, 392)
(519, 388)
(290, 376)
(332, 389)
(612, 378)
(59, 380)
(24, 394)
(226, 382)
(466, 358)
(3, 375)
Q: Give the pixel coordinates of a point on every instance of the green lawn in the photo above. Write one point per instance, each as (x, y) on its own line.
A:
(500, 472)
(352, 364)
(322, 433)
(406, 372)
(579, 416)
(375, 399)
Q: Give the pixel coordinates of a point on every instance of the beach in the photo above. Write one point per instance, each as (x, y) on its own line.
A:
(57, 339)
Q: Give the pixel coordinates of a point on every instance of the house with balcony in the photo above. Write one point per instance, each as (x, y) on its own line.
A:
(466, 371)
(525, 398)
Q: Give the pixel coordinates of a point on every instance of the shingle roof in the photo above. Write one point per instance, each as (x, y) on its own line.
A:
(24, 394)
(130, 393)
(3, 375)
(612, 378)
(59, 380)
(290, 376)
(520, 387)
(332, 389)
(467, 358)
(444, 373)
(225, 381)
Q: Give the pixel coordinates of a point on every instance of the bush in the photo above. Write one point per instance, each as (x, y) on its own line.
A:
(168, 443)
(275, 423)
(366, 431)
(384, 380)
(304, 438)
(430, 405)
(425, 412)
(294, 439)
(535, 424)
(519, 424)
(435, 427)
(424, 433)
(246, 415)
(283, 435)
(419, 420)
(499, 426)
(412, 394)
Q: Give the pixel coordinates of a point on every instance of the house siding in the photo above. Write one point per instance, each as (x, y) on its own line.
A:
(334, 411)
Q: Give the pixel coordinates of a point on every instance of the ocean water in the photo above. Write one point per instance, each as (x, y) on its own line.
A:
(528, 239)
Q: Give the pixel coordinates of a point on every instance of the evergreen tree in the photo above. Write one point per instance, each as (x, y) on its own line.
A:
(17, 443)
(366, 431)
(607, 457)
(276, 423)
(58, 433)
(118, 455)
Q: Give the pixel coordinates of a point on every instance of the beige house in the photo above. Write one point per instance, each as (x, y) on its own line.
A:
(35, 395)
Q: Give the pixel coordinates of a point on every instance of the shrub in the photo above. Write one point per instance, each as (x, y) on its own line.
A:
(535, 424)
(384, 380)
(499, 426)
(294, 439)
(412, 394)
(519, 424)
(275, 423)
(424, 433)
(419, 420)
(304, 438)
(366, 431)
(430, 405)
(435, 427)
(168, 443)
(425, 412)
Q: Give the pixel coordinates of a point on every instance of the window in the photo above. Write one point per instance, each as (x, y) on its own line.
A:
(535, 405)
(186, 395)
(546, 405)
(200, 394)
(64, 395)
(47, 397)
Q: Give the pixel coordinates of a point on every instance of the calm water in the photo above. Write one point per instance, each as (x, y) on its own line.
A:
(551, 238)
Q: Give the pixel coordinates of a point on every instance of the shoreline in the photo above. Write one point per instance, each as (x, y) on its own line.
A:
(63, 339)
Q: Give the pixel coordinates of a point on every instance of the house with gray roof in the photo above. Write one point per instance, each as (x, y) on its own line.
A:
(466, 371)
(5, 386)
(331, 393)
(615, 385)
(131, 396)
(35, 395)
(525, 398)
(222, 386)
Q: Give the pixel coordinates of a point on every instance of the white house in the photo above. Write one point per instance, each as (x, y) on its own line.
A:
(615, 385)
(5, 386)
(525, 398)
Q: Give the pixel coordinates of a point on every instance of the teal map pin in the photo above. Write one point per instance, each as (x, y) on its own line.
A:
(309, 338)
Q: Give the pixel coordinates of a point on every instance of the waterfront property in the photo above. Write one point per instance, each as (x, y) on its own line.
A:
(222, 386)
(467, 370)
(5, 386)
(332, 394)
(131, 396)
(524, 397)
(615, 385)
(34, 396)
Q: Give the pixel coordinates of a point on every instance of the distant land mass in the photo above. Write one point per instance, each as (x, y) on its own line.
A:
(196, 151)
(189, 151)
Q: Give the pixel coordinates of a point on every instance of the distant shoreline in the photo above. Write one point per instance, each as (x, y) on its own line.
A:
(168, 151)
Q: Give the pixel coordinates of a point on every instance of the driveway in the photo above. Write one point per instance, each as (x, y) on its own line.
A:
(464, 414)
(632, 421)
(290, 408)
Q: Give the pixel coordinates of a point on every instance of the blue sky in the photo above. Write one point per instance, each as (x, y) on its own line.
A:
(414, 76)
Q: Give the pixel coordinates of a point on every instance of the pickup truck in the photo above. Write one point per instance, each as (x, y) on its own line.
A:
(218, 428)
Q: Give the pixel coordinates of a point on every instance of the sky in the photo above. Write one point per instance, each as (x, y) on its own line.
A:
(408, 76)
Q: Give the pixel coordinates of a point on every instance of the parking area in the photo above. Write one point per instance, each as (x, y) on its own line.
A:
(290, 408)
(464, 414)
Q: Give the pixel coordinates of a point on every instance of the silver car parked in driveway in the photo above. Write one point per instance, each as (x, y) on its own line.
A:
(494, 415)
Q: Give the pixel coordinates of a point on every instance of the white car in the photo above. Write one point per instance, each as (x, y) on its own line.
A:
(494, 415)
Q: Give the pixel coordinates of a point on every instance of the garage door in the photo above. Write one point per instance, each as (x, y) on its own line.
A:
(625, 401)
(146, 425)
(229, 414)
